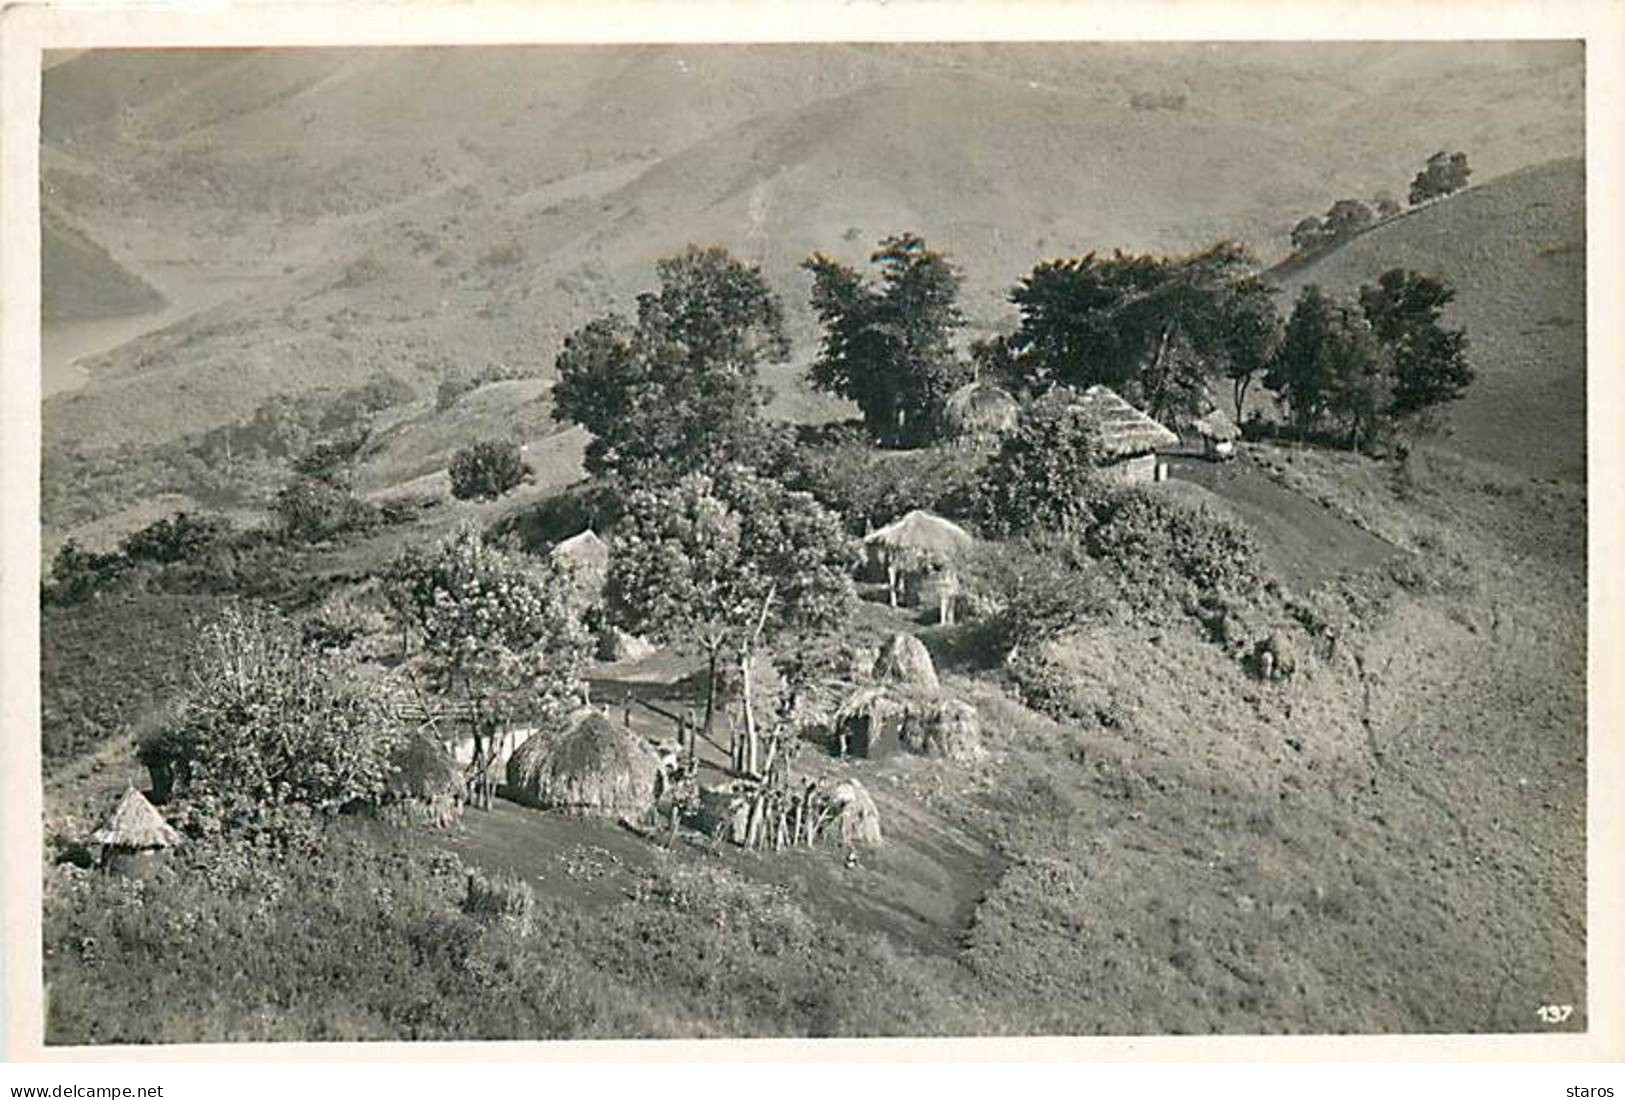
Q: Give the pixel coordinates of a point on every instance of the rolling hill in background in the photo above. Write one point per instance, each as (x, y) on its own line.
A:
(315, 216)
(1514, 249)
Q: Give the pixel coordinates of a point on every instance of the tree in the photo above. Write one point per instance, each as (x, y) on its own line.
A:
(1346, 218)
(487, 470)
(270, 722)
(1384, 203)
(1445, 174)
(1298, 374)
(676, 391)
(1429, 361)
(888, 347)
(1309, 235)
(1045, 472)
(1152, 328)
(1331, 366)
(501, 634)
(730, 561)
(1251, 330)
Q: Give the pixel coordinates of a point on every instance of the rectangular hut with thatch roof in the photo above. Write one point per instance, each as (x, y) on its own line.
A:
(1129, 439)
(918, 546)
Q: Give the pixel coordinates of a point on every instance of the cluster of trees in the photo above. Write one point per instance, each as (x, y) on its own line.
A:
(1444, 174)
(1364, 367)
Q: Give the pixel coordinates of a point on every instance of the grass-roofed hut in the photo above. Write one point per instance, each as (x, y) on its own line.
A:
(980, 412)
(427, 784)
(133, 833)
(1219, 434)
(915, 546)
(588, 766)
(1129, 439)
(586, 556)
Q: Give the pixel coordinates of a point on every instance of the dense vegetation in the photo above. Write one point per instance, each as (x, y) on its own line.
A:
(733, 542)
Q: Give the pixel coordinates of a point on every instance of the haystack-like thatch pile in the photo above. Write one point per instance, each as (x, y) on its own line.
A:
(979, 410)
(136, 826)
(857, 819)
(905, 660)
(427, 784)
(1217, 426)
(1123, 430)
(591, 766)
(615, 645)
(950, 729)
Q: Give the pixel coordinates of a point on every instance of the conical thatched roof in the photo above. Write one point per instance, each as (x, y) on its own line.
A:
(905, 660)
(1217, 425)
(587, 557)
(135, 824)
(922, 531)
(980, 408)
(953, 730)
(1124, 431)
(589, 766)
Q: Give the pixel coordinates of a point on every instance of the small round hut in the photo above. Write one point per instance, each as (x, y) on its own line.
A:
(427, 784)
(133, 834)
(980, 412)
(590, 766)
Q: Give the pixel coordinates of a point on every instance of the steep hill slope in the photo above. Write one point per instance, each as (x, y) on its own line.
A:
(1514, 248)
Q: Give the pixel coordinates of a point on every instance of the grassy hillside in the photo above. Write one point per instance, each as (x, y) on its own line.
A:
(1392, 841)
(499, 198)
(1514, 249)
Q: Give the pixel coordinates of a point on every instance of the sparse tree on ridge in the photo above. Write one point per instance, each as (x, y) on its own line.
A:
(1445, 174)
(889, 347)
(676, 390)
(1346, 218)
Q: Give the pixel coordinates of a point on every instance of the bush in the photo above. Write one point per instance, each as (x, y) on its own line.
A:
(1044, 475)
(181, 537)
(269, 721)
(487, 470)
(1034, 589)
(870, 487)
(1163, 548)
(504, 897)
(77, 573)
(310, 509)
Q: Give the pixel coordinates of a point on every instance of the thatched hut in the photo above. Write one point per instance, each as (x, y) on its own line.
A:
(1128, 438)
(426, 786)
(904, 660)
(951, 729)
(856, 818)
(590, 766)
(980, 412)
(918, 544)
(1219, 434)
(872, 723)
(134, 833)
(586, 556)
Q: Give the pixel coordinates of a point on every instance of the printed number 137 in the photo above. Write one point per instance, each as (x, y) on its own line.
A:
(1554, 1014)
